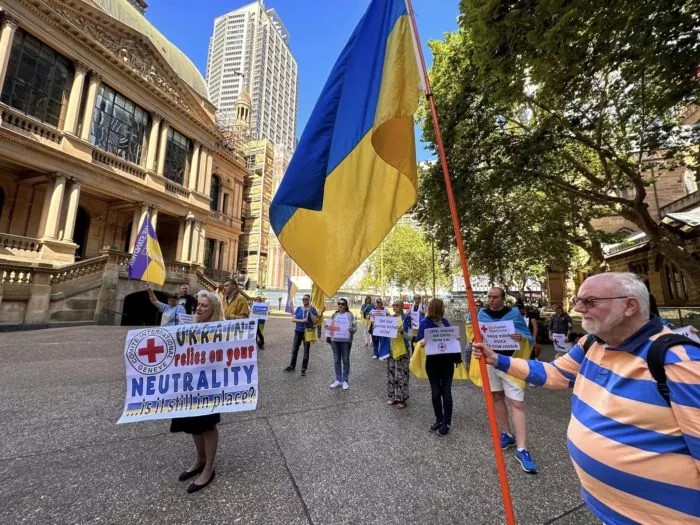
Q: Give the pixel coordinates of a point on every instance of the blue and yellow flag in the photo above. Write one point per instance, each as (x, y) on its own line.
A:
(354, 171)
(147, 260)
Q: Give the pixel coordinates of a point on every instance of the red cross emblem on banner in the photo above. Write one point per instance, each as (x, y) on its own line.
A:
(483, 328)
(442, 347)
(151, 350)
(332, 328)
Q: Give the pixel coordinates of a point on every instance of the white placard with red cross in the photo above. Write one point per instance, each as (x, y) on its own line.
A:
(385, 326)
(497, 336)
(338, 328)
(442, 340)
(190, 370)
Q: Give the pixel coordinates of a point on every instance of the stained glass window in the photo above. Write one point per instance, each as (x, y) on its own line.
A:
(177, 153)
(118, 125)
(38, 79)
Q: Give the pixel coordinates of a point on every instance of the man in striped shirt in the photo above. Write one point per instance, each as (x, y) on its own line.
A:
(638, 458)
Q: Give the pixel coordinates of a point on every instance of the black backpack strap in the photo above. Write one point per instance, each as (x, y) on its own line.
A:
(590, 339)
(656, 357)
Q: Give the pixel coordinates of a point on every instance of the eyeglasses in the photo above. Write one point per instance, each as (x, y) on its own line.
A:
(592, 302)
(342, 304)
(305, 299)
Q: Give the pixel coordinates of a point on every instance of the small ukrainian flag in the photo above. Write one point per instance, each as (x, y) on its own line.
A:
(147, 260)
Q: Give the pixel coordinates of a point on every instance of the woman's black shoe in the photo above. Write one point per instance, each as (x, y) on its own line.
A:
(193, 487)
(189, 473)
(435, 426)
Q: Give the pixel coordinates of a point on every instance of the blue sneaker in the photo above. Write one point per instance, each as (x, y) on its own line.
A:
(526, 461)
(507, 441)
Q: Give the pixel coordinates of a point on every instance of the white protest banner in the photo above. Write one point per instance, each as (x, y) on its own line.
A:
(415, 317)
(561, 343)
(338, 328)
(260, 310)
(185, 319)
(190, 370)
(442, 340)
(686, 331)
(497, 336)
(377, 313)
(385, 327)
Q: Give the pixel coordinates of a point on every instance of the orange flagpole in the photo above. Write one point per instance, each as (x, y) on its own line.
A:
(490, 407)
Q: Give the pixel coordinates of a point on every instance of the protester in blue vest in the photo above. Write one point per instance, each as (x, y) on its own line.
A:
(304, 318)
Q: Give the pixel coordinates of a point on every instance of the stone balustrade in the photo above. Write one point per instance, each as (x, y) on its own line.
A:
(117, 163)
(13, 119)
(20, 246)
(80, 269)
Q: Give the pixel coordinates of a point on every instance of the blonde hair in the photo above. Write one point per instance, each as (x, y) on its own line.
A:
(217, 308)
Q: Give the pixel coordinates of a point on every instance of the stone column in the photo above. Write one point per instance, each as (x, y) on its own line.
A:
(202, 243)
(154, 217)
(162, 146)
(153, 142)
(187, 239)
(215, 256)
(208, 173)
(7, 33)
(95, 81)
(203, 163)
(53, 204)
(71, 211)
(180, 241)
(194, 168)
(140, 214)
(76, 95)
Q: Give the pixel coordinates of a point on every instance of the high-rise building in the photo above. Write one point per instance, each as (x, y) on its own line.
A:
(249, 51)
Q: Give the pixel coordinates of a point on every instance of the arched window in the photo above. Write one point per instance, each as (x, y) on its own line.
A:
(214, 193)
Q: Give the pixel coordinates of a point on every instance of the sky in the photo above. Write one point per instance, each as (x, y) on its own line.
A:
(318, 32)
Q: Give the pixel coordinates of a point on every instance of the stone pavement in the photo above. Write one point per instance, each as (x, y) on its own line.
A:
(307, 455)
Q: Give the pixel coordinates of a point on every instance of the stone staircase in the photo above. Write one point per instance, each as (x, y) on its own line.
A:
(36, 295)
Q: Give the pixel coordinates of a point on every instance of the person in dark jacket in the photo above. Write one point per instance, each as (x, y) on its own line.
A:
(440, 369)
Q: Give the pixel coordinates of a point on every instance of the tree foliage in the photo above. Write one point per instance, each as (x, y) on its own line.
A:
(552, 113)
(405, 260)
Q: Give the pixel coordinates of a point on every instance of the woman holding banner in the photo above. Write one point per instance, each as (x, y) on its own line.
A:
(365, 311)
(439, 368)
(380, 345)
(202, 428)
(398, 361)
(343, 327)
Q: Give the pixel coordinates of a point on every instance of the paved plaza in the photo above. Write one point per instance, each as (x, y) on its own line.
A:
(308, 454)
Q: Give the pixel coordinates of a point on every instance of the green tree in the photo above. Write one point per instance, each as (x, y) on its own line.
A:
(571, 99)
(405, 259)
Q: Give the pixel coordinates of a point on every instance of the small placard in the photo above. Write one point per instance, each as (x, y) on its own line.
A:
(442, 340)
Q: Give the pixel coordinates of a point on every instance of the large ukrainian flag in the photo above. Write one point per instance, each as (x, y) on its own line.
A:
(354, 171)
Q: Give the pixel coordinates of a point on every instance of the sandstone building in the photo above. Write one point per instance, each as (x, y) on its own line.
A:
(103, 121)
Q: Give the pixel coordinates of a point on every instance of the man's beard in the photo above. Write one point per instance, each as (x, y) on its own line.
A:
(604, 326)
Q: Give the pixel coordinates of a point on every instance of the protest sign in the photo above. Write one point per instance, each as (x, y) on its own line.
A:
(561, 343)
(338, 328)
(260, 311)
(686, 331)
(442, 340)
(190, 370)
(377, 313)
(498, 336)
(185, 319)
(385, 326)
